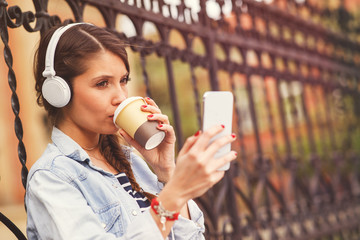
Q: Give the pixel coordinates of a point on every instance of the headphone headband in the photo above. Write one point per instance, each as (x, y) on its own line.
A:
(50, 51)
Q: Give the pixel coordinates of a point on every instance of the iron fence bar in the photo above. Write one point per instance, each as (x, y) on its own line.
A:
(6, 17)
(283, 120)
(231, 205)
(213, 67)
(309, 124)
(6, 21)
(238, 119)
(318, 122)
(174, 102)
(78, 11)
(270, 119)
(196, 96)
(294, 111)
(253, 114)
(145, 75)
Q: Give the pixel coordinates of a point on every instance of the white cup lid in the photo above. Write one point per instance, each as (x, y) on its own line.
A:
(123, 104)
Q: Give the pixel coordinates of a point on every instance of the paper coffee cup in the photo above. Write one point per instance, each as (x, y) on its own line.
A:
(133, 121)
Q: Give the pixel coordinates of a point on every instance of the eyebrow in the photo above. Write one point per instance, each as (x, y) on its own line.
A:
(109, 76)
(125, 75)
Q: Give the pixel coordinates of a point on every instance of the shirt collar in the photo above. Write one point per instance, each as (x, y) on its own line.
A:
(68, 146)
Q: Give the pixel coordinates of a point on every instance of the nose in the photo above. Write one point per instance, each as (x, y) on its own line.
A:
(119, 95)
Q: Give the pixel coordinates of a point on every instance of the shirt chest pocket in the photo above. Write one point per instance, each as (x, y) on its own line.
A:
(112, 220)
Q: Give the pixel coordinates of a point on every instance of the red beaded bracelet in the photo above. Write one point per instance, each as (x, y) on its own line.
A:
(163, 213)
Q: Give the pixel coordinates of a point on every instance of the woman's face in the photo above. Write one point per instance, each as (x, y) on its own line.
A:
(96, 94)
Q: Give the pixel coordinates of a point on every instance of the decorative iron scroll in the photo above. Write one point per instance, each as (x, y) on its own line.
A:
(297, 110)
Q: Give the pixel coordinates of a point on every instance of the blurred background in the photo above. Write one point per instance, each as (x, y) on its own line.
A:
(36, 134)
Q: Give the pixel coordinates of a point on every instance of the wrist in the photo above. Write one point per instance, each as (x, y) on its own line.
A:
(164, 174)
(172, 199)
(163, 213)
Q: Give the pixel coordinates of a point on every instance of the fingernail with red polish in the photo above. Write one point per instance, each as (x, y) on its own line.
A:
(197, 133)
(144, 106)
(150, 116)
(235, 153)
(233, 135)
(160, 125)
(147, 98)
(222, 125)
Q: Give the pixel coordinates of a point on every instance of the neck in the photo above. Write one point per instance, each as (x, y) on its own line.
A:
(88, 140)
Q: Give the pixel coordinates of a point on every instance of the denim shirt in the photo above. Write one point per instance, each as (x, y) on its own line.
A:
(67, 197)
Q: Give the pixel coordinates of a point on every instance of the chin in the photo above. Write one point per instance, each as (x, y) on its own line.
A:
(106, 128)
(112, 130)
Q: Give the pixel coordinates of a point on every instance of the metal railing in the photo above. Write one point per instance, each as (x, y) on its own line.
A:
(295, 84)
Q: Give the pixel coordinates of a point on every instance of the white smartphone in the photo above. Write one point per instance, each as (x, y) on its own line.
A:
(217, 110)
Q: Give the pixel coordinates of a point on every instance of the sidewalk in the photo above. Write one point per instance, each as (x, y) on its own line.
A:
(17, 214)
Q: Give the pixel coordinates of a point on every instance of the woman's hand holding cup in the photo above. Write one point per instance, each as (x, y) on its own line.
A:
(162, 157)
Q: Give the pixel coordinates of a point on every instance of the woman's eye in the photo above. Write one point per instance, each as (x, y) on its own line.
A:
(103, 83)
(125, 80)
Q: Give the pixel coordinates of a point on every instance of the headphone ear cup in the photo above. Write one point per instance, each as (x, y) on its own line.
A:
(56, 91)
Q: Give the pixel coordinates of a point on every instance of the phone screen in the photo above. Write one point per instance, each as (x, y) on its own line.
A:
(217, 110)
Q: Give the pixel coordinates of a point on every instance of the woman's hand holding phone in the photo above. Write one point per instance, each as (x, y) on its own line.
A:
(196, 167)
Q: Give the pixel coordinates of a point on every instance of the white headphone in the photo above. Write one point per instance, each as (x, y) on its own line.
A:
(55, 90)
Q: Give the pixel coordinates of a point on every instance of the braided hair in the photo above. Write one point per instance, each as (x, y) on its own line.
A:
(111, 149)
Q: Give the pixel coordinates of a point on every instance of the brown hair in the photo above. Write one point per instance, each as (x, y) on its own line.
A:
(75, 46)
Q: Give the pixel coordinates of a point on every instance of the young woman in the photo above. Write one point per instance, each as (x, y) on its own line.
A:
(89, 184)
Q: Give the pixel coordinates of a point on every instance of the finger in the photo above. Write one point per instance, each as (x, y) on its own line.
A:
(150, 109)
(129, 139)
(190, 141)
(169, 130)
(216, 177)
(222, 161)
(219, 143)
(151, 102)
(206, 136)
(159, 117)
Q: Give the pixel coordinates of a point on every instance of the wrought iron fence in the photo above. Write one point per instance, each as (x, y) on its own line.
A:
(296, 105)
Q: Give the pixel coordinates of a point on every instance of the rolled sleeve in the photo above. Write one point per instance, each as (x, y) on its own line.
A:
(186, 229)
